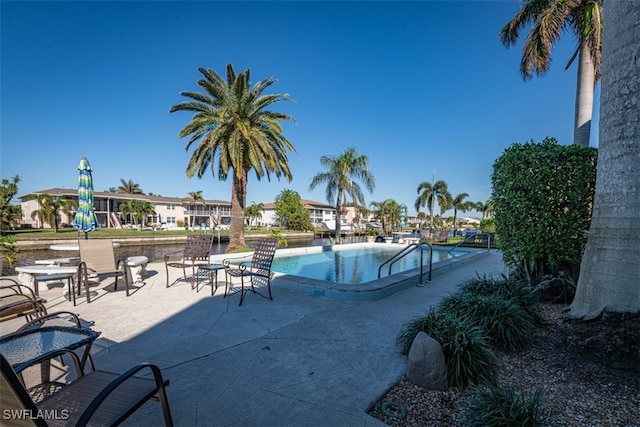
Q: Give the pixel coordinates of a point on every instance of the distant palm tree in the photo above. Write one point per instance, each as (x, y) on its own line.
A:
(388, 213)
(340, 177)
(487, 209)
(233, 125)
(549, 19)
(254, 211)
(458, 204)
(432, 193)
(50, 208)
(192, 200)
(129, 187)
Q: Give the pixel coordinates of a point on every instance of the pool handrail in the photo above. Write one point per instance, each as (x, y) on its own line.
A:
(473, 236)
(406, 251)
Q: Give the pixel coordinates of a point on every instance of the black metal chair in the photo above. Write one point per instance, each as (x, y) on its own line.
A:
(258, 270)
(96, 398)
(197, 251)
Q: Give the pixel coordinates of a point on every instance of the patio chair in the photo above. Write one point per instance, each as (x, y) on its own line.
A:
(197, 251)
(95, 398)
(18, 300)
(258, 270)
(97, 260)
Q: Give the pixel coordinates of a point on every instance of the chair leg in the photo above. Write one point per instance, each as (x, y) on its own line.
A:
(71, 287)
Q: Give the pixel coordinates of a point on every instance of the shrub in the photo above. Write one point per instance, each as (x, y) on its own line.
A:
(467, 352)
(542, 198)
(505, 323)
(508, 288)
(493, 406)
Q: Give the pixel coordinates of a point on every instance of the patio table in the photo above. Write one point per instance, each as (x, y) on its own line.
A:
(27, 274)
(72, 246)
(210, 270)
(21, 349)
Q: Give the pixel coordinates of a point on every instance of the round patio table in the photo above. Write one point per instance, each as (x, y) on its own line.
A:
(27, 274)
(72, 246)
(211, 268)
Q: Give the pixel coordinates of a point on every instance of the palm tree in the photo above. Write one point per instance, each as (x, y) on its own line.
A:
(129, 187)
(192, 200)
(254, 211)
(388, 213)
(458, 204)
(138, 210)
(432, 193)
(50, 209)
(549, 19)
(340, 177)
(233, 125)
(486, 208)
(609, 273)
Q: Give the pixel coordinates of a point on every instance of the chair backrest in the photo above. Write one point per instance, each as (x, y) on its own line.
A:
(263, 256)
(198, 247)
(17, 407)
(98, 255)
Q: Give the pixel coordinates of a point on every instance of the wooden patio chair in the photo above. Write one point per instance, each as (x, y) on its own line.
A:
(18, 300)
(98, 260)
(197, 251)
(258, 270)
(96, 398)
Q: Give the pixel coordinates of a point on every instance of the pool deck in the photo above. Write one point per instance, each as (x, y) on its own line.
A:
(300, 359)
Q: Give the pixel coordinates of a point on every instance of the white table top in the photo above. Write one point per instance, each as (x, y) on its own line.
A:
(46, 269)
(72, 246)
(57, 261)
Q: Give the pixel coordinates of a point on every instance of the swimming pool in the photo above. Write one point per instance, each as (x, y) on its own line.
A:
(353, 265)
(311, 270)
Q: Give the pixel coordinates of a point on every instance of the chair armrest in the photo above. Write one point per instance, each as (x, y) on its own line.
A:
(113, 385)
(51, 355)
(238, 261)
(43, 319)
(172, 255)
(20, 289)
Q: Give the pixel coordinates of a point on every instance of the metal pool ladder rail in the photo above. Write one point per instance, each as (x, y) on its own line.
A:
(406, 251)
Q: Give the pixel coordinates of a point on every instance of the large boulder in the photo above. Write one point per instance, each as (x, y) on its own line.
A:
(425, 364)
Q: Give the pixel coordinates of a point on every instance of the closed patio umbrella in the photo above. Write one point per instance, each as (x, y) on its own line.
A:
(85, 219)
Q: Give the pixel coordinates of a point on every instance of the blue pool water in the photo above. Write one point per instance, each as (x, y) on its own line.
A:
(353, 266)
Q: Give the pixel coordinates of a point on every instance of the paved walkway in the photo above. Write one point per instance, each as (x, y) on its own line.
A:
(296, 360)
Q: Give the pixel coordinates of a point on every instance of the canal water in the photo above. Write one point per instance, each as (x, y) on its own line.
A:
(155, 252)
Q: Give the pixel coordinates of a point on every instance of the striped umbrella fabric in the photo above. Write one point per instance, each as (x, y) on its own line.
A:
(85, 219)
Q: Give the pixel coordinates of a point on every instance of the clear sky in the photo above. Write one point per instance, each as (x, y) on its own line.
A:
(417, 87)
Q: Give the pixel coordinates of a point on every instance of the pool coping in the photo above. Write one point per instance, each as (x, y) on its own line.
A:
(367, 291)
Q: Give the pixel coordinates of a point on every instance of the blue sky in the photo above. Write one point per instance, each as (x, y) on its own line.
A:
(417, 87)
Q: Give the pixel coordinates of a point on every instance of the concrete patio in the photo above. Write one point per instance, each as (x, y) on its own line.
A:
(297, 360)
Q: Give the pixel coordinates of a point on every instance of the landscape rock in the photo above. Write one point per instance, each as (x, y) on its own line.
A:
(425, 364)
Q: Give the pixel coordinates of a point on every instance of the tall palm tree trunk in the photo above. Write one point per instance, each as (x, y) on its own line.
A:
(584, 97)
(238, 206)
(610, 272)
(338, 217)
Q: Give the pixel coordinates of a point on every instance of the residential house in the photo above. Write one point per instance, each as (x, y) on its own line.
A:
(168, 210)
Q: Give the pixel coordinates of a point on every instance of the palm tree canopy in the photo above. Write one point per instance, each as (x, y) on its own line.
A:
(549, 19)
(234, 127)
(194, 197)
(429, 194)
(129, 187)
(340, 177)
(232, 122)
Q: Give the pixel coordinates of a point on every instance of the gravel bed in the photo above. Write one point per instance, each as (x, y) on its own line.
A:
(576, 390)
